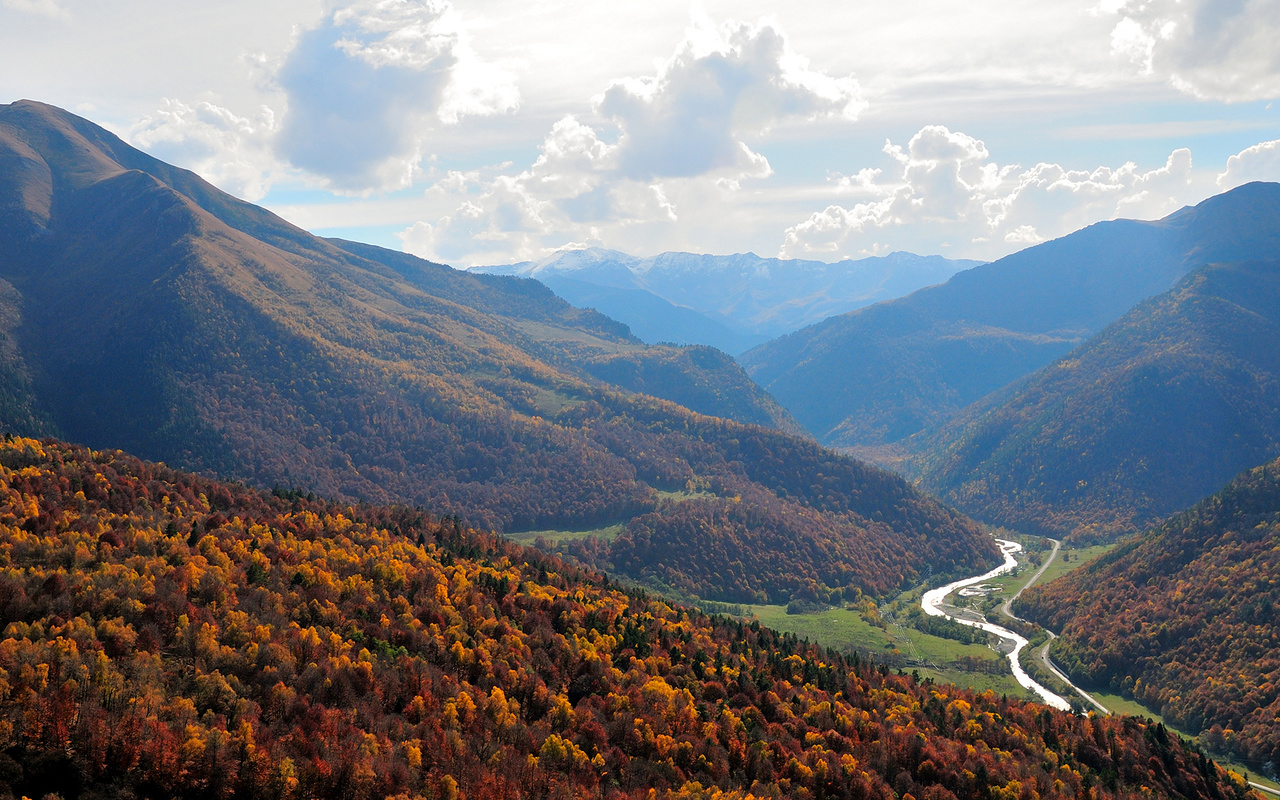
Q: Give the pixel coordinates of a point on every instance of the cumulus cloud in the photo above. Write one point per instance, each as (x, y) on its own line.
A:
(368, 85)
(572, 186)
(721, 84)
(228, 150)
(689, 122)
(1211, 49)
(949, 192)
(1258, 163)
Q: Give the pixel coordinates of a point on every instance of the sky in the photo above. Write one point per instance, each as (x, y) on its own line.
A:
(495, 131)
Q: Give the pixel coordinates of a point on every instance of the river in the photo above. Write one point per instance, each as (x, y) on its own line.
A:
(933, 600)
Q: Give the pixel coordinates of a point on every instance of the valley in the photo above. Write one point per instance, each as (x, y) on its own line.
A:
(231, 342)
(287, 516)
(888, 632)
(733, 303)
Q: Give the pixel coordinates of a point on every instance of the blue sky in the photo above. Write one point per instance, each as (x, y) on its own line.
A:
(495, 130)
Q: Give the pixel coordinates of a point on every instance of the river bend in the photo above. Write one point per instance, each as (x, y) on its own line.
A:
(933, 601)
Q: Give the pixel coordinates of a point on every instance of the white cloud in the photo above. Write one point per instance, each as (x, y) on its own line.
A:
(687, 123)
(1049, 197)
(950, 192)
(44, 8)
(721, 84)
(863, 182)
(572, 187)
(368, 86)
(1023, 234)
(1212, 49)
(826, 233)
(230, 151)
(1130, 39)
(1258, 163)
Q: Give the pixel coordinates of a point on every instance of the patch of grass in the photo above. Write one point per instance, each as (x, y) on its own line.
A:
(556, 537)
(842, 629)
(1079, 557)
(835, 628)
(550, 402)
(979, 682)
(546, 332)
(1008, 584)
(682, 495)
(1123, 705)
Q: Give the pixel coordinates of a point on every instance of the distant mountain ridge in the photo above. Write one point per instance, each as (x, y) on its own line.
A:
(732, 302)
(1161, 408)
(142, 308)
(873, 377)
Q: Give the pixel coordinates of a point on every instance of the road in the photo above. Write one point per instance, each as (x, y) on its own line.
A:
(1007, 607)
(1043, 653)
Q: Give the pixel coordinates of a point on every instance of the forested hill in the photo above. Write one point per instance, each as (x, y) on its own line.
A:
(878, 375)
(170, 636)
(1151, 415)
(76, 200)
(1163, 407)
(700, 378)
(141, 308)
(1186, 619)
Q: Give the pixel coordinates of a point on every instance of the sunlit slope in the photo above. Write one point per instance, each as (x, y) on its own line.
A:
(881, 374)
(1186, 619)
(170, 636)
(144, 309)
(1160, 409)
(698, 377)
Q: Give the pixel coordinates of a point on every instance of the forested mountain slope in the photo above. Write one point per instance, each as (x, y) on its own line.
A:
(1163, 407)
(697, 377)
(1185, 619)
(878, 375)
(167, 635)
(144, 309)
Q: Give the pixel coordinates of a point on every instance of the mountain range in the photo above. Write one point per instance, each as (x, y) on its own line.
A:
(729, 302)
(869, 379)
(174, 634)
(144, 309)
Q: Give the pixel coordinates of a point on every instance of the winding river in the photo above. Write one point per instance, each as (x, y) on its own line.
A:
(933, 602)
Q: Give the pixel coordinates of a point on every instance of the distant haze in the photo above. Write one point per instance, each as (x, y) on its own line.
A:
(731, 302)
